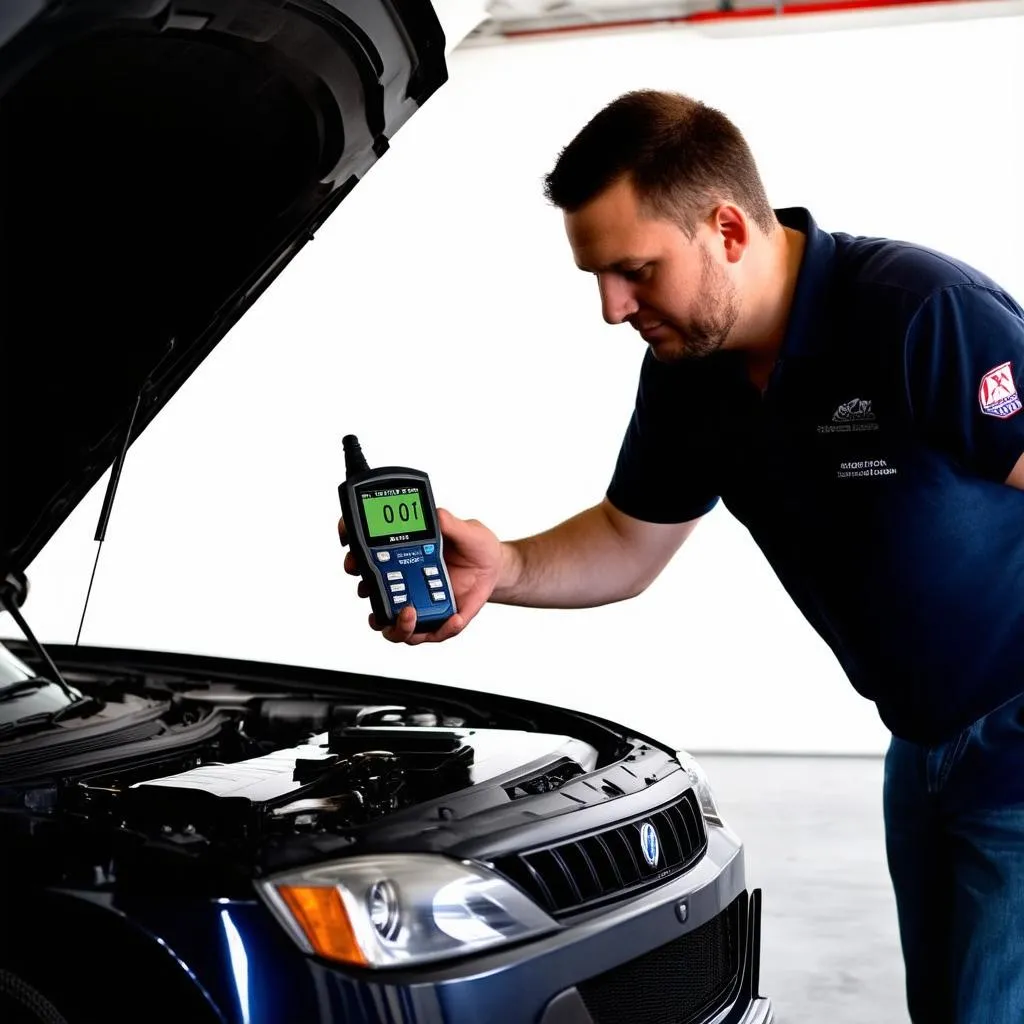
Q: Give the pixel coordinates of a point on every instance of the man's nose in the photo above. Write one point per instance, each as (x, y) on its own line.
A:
(617, 300)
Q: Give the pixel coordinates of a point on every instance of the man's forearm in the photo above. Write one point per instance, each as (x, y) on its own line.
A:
(581, 563)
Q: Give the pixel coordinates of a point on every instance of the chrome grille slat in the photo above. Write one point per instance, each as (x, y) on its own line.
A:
(538, 880)
(623, 837)
(686, 821)
(591, 868)
(560, 860)
(661, 816)
(611, 860)
(577, 859)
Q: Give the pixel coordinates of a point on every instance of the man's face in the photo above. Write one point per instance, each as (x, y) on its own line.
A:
(676, 292)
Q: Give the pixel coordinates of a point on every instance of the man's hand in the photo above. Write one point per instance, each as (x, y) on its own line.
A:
(473, 556)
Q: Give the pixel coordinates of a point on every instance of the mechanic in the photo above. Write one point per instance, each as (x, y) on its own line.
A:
(854, 402)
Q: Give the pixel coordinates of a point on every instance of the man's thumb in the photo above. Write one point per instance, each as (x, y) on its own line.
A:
(448, 524)
(458, 531)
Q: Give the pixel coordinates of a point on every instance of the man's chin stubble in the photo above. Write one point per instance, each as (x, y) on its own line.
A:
(678, 351)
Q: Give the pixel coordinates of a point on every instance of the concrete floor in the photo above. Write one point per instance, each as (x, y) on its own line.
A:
(815, 845)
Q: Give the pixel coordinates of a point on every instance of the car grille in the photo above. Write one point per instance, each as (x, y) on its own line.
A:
(608, 865)
(682, 982)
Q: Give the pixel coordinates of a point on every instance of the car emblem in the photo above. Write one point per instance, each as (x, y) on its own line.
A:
(649, 843)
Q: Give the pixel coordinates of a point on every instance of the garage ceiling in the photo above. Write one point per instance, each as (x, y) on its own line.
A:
(493, 20)
(517, 16)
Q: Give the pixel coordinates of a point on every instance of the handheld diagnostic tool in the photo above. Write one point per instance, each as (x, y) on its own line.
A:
(391, 522)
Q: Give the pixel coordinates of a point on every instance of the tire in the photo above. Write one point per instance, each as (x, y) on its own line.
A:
(20, 1003)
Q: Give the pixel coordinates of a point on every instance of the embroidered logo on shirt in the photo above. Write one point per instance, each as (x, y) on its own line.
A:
(855, 409)
(997, 394)
(855, 414)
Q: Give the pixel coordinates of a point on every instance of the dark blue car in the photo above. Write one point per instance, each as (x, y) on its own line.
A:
(188, 839)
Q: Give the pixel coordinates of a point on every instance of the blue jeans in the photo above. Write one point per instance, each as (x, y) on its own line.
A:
(954, 823)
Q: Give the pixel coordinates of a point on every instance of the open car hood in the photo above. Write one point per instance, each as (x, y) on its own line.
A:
(160, 164)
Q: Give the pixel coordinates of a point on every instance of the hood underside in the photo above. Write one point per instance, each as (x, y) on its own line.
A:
(157, 170)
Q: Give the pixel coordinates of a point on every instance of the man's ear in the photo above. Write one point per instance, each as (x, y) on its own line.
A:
(732, 230)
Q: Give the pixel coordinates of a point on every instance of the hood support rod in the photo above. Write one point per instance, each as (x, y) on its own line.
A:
(108, 504)
(115, 478)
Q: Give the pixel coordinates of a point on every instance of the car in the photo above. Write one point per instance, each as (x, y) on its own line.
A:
(190, 838)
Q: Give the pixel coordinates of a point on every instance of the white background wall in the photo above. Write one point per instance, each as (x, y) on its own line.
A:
(439, 316)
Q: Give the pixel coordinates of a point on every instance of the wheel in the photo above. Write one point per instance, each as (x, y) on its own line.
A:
(20, 1003)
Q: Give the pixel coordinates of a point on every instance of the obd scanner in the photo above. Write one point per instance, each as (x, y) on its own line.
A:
(391, 521)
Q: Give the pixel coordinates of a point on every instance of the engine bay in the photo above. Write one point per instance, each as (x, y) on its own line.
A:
(234, 769)
(333, 781)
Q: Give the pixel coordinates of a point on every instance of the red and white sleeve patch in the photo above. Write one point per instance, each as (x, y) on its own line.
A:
(997, 393)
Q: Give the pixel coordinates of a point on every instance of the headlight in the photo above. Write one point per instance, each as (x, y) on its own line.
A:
(701, 787)
(401, 909)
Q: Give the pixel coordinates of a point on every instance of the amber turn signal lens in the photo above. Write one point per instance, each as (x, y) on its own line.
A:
(321, 915)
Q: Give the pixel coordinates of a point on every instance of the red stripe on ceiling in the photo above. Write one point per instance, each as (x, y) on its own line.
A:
(823, 7)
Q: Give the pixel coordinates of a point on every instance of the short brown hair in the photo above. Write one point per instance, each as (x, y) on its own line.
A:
(683, 157)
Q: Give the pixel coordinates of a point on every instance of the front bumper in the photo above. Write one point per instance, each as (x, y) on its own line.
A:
(687, 988)
(687, 952)
(646, 960)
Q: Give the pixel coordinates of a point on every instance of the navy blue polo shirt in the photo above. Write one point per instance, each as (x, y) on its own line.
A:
(870, 472)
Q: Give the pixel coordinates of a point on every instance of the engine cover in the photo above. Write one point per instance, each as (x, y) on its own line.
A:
(349, 775)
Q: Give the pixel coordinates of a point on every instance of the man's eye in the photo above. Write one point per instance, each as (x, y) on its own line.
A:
(637, 273)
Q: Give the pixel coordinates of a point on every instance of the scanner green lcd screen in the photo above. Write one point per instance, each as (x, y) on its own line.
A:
(401, 511)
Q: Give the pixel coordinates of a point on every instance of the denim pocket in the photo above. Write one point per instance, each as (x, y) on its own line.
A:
(990, 766)
(954, 751)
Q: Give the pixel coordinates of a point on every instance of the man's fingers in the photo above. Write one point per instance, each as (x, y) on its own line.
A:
(350, 565)
(403, 631)
(470, 604)
(404, 627)
(342, 532)
(451, 628)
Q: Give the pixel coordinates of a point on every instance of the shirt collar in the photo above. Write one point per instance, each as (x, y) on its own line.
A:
(805, 329)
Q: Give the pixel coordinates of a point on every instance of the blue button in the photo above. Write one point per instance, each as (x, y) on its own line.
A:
(428, 549)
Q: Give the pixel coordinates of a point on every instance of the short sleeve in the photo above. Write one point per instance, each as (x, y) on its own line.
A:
(965, 375)
(662, 474)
